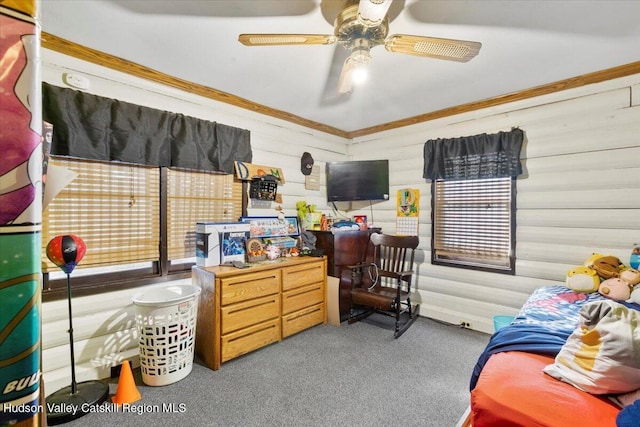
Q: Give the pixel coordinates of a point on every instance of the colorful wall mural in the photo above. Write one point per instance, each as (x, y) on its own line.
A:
(20, 213)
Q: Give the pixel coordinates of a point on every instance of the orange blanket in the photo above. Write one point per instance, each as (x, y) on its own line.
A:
(513, 391)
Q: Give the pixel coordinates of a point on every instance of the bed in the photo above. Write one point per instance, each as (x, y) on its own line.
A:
(508, 385)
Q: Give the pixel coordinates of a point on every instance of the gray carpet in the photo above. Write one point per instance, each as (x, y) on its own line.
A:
(352, 375)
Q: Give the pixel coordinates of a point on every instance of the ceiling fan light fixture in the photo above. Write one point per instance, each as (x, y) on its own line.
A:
(360, 74)
(371, 13)
(360, 56)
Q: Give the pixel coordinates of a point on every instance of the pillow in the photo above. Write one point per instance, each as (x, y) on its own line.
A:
(602, 355)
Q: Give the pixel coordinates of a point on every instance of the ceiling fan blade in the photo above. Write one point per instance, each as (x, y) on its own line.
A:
(432, 47)
(330, 95)
(285, 39)
(345, 82)
(371, 13)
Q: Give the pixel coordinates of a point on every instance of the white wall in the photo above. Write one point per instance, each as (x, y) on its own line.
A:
(104, 326)
(579, 195)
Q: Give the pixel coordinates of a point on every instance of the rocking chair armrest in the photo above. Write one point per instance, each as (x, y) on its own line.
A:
(402, 274)
(354, 266)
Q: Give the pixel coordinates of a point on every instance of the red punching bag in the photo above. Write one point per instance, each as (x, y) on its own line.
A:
(66, 251)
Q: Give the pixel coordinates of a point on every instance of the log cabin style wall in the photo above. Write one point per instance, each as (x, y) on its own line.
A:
(578, 195)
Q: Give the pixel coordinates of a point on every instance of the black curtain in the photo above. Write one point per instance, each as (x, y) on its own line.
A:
(97, 128)
(474, 157)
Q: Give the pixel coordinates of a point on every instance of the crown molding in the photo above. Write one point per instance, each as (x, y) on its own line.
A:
(58, 44)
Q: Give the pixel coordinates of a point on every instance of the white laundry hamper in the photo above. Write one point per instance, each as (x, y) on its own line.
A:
(166, 319)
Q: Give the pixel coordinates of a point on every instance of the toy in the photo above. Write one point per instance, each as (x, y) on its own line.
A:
(273, 252)
(635, 295)
(607, 266)
(634, 259)
(631, 276)
(616, 289)
(604, 274)
(583, 279)
(309, 218)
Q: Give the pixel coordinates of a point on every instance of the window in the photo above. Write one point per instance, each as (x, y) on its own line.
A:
(198, 197)
(473, 224)
(122, 211)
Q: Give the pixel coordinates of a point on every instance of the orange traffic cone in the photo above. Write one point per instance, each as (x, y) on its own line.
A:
(127, 392)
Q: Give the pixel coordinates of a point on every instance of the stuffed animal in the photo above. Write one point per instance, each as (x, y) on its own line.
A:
(304, 214)
(607, 266)
(597, 270)
(273, 252)
(635, 295)
(616, 289)
(621, 288)
(631, 276)
(583, 279)
(634, 259)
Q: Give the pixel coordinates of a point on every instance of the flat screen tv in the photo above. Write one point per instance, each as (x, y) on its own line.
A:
(357, 180)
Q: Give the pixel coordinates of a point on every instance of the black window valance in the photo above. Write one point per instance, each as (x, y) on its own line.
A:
(474, 157)
(97, 128)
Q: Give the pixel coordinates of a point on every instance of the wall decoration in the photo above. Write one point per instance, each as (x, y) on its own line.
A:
(247, 171)
(407, 211)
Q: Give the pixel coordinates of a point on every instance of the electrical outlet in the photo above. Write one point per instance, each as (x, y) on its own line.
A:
(465, 324)
(115, 371)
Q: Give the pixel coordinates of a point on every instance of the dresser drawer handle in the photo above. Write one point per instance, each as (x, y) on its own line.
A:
(242, 282)
(306, 313)
(272, 302)
(252, 333)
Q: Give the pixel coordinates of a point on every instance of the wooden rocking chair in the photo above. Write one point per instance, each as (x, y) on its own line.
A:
(385, 286)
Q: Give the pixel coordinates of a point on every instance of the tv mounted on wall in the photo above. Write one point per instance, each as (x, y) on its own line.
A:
(357, 180)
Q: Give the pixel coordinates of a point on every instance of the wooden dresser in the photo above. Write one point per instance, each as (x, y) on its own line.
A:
(241, 310)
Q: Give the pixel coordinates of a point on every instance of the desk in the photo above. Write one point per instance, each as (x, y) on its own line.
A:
(242, 310)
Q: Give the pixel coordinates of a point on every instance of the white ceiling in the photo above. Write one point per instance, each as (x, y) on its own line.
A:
(524, 44)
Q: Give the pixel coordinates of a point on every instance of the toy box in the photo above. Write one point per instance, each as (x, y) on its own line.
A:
(219, 243)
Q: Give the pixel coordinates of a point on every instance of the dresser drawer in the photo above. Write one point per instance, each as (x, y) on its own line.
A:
(300, 298)
(247, 313)
(294, 277)
(301, 320)
(245, 340)
(248, 286)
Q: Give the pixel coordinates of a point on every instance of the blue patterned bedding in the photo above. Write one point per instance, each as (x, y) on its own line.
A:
(555, 308)
(543, 325)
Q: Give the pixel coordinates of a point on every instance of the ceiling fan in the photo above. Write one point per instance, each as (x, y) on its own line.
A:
(362, 25)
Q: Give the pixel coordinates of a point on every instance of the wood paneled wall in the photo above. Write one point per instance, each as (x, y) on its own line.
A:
(578, 195)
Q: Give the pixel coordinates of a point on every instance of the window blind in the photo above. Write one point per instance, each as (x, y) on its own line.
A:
(198, 197)
(113, 207)
(473, 223)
